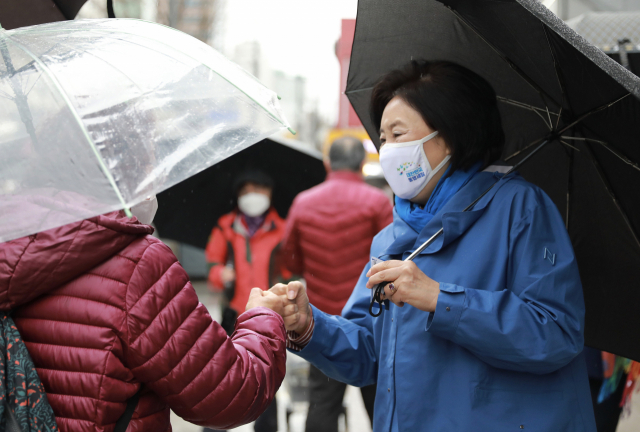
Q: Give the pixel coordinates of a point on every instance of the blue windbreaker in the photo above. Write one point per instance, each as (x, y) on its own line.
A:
(502, 351)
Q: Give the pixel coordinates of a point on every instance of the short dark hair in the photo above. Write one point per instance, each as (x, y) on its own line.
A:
(252, 176)
(457, 102)
(346, 153)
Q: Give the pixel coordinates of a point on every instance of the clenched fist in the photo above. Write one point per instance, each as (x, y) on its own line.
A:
(266, 299)
(297, 312)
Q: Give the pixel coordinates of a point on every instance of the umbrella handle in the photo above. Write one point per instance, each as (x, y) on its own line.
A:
(377, 298)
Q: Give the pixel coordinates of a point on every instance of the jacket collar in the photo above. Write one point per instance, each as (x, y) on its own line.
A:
(451, 217)
(271, 222)
(345, 175)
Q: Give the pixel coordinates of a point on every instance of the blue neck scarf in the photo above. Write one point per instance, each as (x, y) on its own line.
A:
(416, 217)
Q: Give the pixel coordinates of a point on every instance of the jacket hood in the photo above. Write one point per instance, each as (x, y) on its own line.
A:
(34, 265)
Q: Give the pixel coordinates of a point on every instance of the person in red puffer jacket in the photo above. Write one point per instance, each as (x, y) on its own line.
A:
(327, 240)
(106, 310)
(243, 250)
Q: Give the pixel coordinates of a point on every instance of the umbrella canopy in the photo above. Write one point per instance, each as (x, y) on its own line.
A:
(99, 114)
(22, 13)
(188, 211)
(553, 85)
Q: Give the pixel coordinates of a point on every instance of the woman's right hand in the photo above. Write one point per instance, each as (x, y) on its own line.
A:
(297, 311)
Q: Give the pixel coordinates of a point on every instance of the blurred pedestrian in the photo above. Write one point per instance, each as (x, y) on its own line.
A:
(244, 252)
(630, 417)
(329, 232)
(484, 329)
(606, 382)
(112, 323)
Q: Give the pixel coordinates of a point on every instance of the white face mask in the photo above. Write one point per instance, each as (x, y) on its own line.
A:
(253, 204)
(146, 210)
(406, 167)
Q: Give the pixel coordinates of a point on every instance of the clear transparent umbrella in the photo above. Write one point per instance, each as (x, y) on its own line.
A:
(97, 115)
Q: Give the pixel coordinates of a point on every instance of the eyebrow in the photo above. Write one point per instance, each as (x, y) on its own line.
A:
(392, 125)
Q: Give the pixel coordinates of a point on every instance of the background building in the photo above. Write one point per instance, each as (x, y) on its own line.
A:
(348, 123)
(567, 9)
(141, 9)
(194, 17)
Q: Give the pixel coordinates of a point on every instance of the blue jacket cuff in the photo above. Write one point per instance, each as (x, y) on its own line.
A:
(444, 321)
(316, 342)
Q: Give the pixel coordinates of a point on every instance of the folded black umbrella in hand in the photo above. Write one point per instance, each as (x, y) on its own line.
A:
(553, 87)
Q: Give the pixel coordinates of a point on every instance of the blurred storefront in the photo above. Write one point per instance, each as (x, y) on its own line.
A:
(348, 122)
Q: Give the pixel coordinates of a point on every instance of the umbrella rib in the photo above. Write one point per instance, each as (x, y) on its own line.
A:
(76, 116)
(575, 122)
(17, 71)
(569, 145)
(6, 95)
(607, 146)
(556, 67)
(593, 111)
(33, 85)
(569, 188)
(523, 149)
(549, 117)
(506, 59)
(558, 118)
(63, 44)
(530, 108)
(348, 92)
(608, 188)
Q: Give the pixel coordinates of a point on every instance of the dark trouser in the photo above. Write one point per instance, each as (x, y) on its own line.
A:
(325, 401)
(267, 422)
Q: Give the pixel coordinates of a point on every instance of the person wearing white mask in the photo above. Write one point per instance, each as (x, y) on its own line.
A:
(484, 330)
(243, 252)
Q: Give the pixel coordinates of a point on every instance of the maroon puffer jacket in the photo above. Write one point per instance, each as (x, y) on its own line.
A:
(328, 236)
(104, 308)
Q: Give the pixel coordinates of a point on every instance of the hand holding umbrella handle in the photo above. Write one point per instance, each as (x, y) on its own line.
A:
(377, 298)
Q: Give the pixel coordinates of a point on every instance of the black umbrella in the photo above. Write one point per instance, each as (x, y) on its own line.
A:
(22, 13)
(189, 210)
(557, 89)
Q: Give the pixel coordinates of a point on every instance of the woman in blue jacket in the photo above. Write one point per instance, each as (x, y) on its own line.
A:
(485, 327)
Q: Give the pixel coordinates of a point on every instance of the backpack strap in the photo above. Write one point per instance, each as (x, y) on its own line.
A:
(123, 422)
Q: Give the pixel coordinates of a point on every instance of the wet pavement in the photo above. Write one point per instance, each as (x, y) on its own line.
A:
(357, 419)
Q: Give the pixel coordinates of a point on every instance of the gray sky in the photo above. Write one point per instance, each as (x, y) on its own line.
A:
(297, 37)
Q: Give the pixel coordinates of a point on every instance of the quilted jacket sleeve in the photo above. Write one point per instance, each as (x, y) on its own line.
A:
(175, 348)
(291, 252)
(384, 215)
